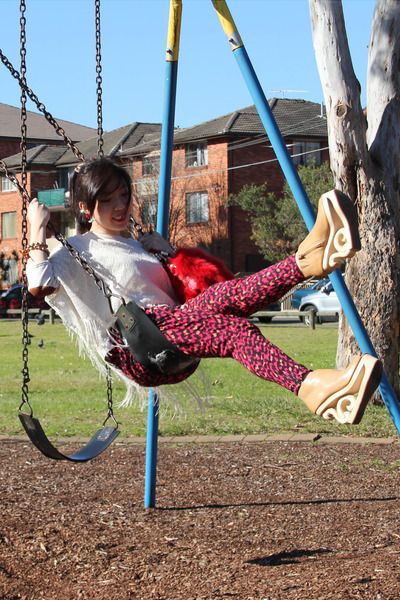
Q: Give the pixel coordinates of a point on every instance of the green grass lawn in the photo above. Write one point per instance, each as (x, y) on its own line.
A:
(70, 399)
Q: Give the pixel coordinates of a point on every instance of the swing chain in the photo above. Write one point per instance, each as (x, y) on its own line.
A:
(41, 107)
(99, 80)
(100, 154)
(12, 177)
(102, 286)
(100, 283)
(110, 411)
(22, 188)
(134, 226)
(25, 201)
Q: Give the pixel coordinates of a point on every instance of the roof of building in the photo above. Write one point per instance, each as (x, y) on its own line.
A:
(37, 126)
(40, 155)
(295, 119)
(114, 142)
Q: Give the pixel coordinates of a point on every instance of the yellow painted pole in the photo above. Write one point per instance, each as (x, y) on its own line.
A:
(174, 30)
(228, 24)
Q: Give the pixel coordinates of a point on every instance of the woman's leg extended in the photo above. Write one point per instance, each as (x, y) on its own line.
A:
(204, 335)
(330, 393)
(333, 239)
(246, 295)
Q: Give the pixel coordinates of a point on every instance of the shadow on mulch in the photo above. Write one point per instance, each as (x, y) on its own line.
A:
(287, 558)
(257, 521)
(192, 507)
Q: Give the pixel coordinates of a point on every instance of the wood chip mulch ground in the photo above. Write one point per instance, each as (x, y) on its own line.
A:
(246, 521)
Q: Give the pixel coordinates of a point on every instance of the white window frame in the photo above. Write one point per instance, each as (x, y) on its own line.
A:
(308, 152)
(7, 185)
(11, 270)
(12, 224)
(197, 209)
(149, 165)
(148, 210)
(196, 155)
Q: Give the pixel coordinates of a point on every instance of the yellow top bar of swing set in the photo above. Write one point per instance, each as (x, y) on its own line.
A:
(174, 27)
(228, 24)
(174, 30)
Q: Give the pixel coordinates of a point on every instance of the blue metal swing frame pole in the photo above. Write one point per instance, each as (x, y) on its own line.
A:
(388, 394)
(164, 189)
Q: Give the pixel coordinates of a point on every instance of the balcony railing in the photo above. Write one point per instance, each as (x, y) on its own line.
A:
(52, 198)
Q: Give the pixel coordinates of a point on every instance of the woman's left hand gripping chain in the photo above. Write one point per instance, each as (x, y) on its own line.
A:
(154, 242)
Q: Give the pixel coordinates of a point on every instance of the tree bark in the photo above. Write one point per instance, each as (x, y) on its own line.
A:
(364, 153)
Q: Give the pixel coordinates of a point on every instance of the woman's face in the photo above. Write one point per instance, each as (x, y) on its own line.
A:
(112, 211)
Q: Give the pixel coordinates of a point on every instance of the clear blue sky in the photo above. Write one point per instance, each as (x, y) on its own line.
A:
(61, 56)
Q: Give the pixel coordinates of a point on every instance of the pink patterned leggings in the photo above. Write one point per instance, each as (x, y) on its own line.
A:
(215, 324)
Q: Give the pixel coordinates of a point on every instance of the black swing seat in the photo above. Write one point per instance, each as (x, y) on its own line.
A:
(95, 446)
(149, 347)
(147, 343)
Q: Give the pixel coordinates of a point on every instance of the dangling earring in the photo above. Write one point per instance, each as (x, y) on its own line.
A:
(86, 215)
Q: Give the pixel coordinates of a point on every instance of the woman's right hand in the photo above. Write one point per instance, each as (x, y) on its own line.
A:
(38, 214)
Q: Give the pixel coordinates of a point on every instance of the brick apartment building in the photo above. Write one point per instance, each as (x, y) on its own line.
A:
(217, 158)
(210, 161)
(39, 132)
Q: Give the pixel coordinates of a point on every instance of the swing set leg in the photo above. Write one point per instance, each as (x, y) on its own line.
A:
(294, 182)
(388, 394)
(151, 450)
(164, 189)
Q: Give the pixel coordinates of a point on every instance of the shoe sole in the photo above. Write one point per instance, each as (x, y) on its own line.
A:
(350, 402)
(344, 239)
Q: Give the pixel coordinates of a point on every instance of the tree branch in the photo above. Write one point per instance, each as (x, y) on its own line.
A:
(383, 86)
(347, 142)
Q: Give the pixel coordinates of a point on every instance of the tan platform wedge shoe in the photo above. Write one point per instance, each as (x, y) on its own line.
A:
(333, 239)
(342, 394)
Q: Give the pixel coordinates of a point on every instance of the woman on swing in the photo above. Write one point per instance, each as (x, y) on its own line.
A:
(212, 324)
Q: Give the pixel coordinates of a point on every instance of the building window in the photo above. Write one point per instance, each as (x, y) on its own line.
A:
(196, 155)
(149, 165)
(148, 211)
(128, 167)
(7, 185)
(9, 225)
(10, 269)
(63, 177)
(197, 207)
(67, 223)
(306, 153)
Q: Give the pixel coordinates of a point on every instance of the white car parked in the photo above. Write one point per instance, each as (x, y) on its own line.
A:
(324, 301)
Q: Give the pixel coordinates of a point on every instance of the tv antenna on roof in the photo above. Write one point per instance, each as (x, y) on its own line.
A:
(286, 91)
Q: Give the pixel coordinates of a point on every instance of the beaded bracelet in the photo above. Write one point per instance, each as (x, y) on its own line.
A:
(35, 246)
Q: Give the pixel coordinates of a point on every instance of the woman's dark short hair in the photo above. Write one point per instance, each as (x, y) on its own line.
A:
(90, 181)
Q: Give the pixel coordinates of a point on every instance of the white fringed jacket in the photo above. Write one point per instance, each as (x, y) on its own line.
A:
(127, 269)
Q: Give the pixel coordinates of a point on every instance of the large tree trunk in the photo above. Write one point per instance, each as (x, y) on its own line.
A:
(364, 153)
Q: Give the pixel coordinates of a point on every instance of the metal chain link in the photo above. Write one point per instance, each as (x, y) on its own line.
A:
(57, 127)
(25, 201)
(100, 154)
(22, 187)
(99, 81)
(110, 413)
(87, 268)
(108, 294)
(100, 283)
(13, 178)
(41, 107)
